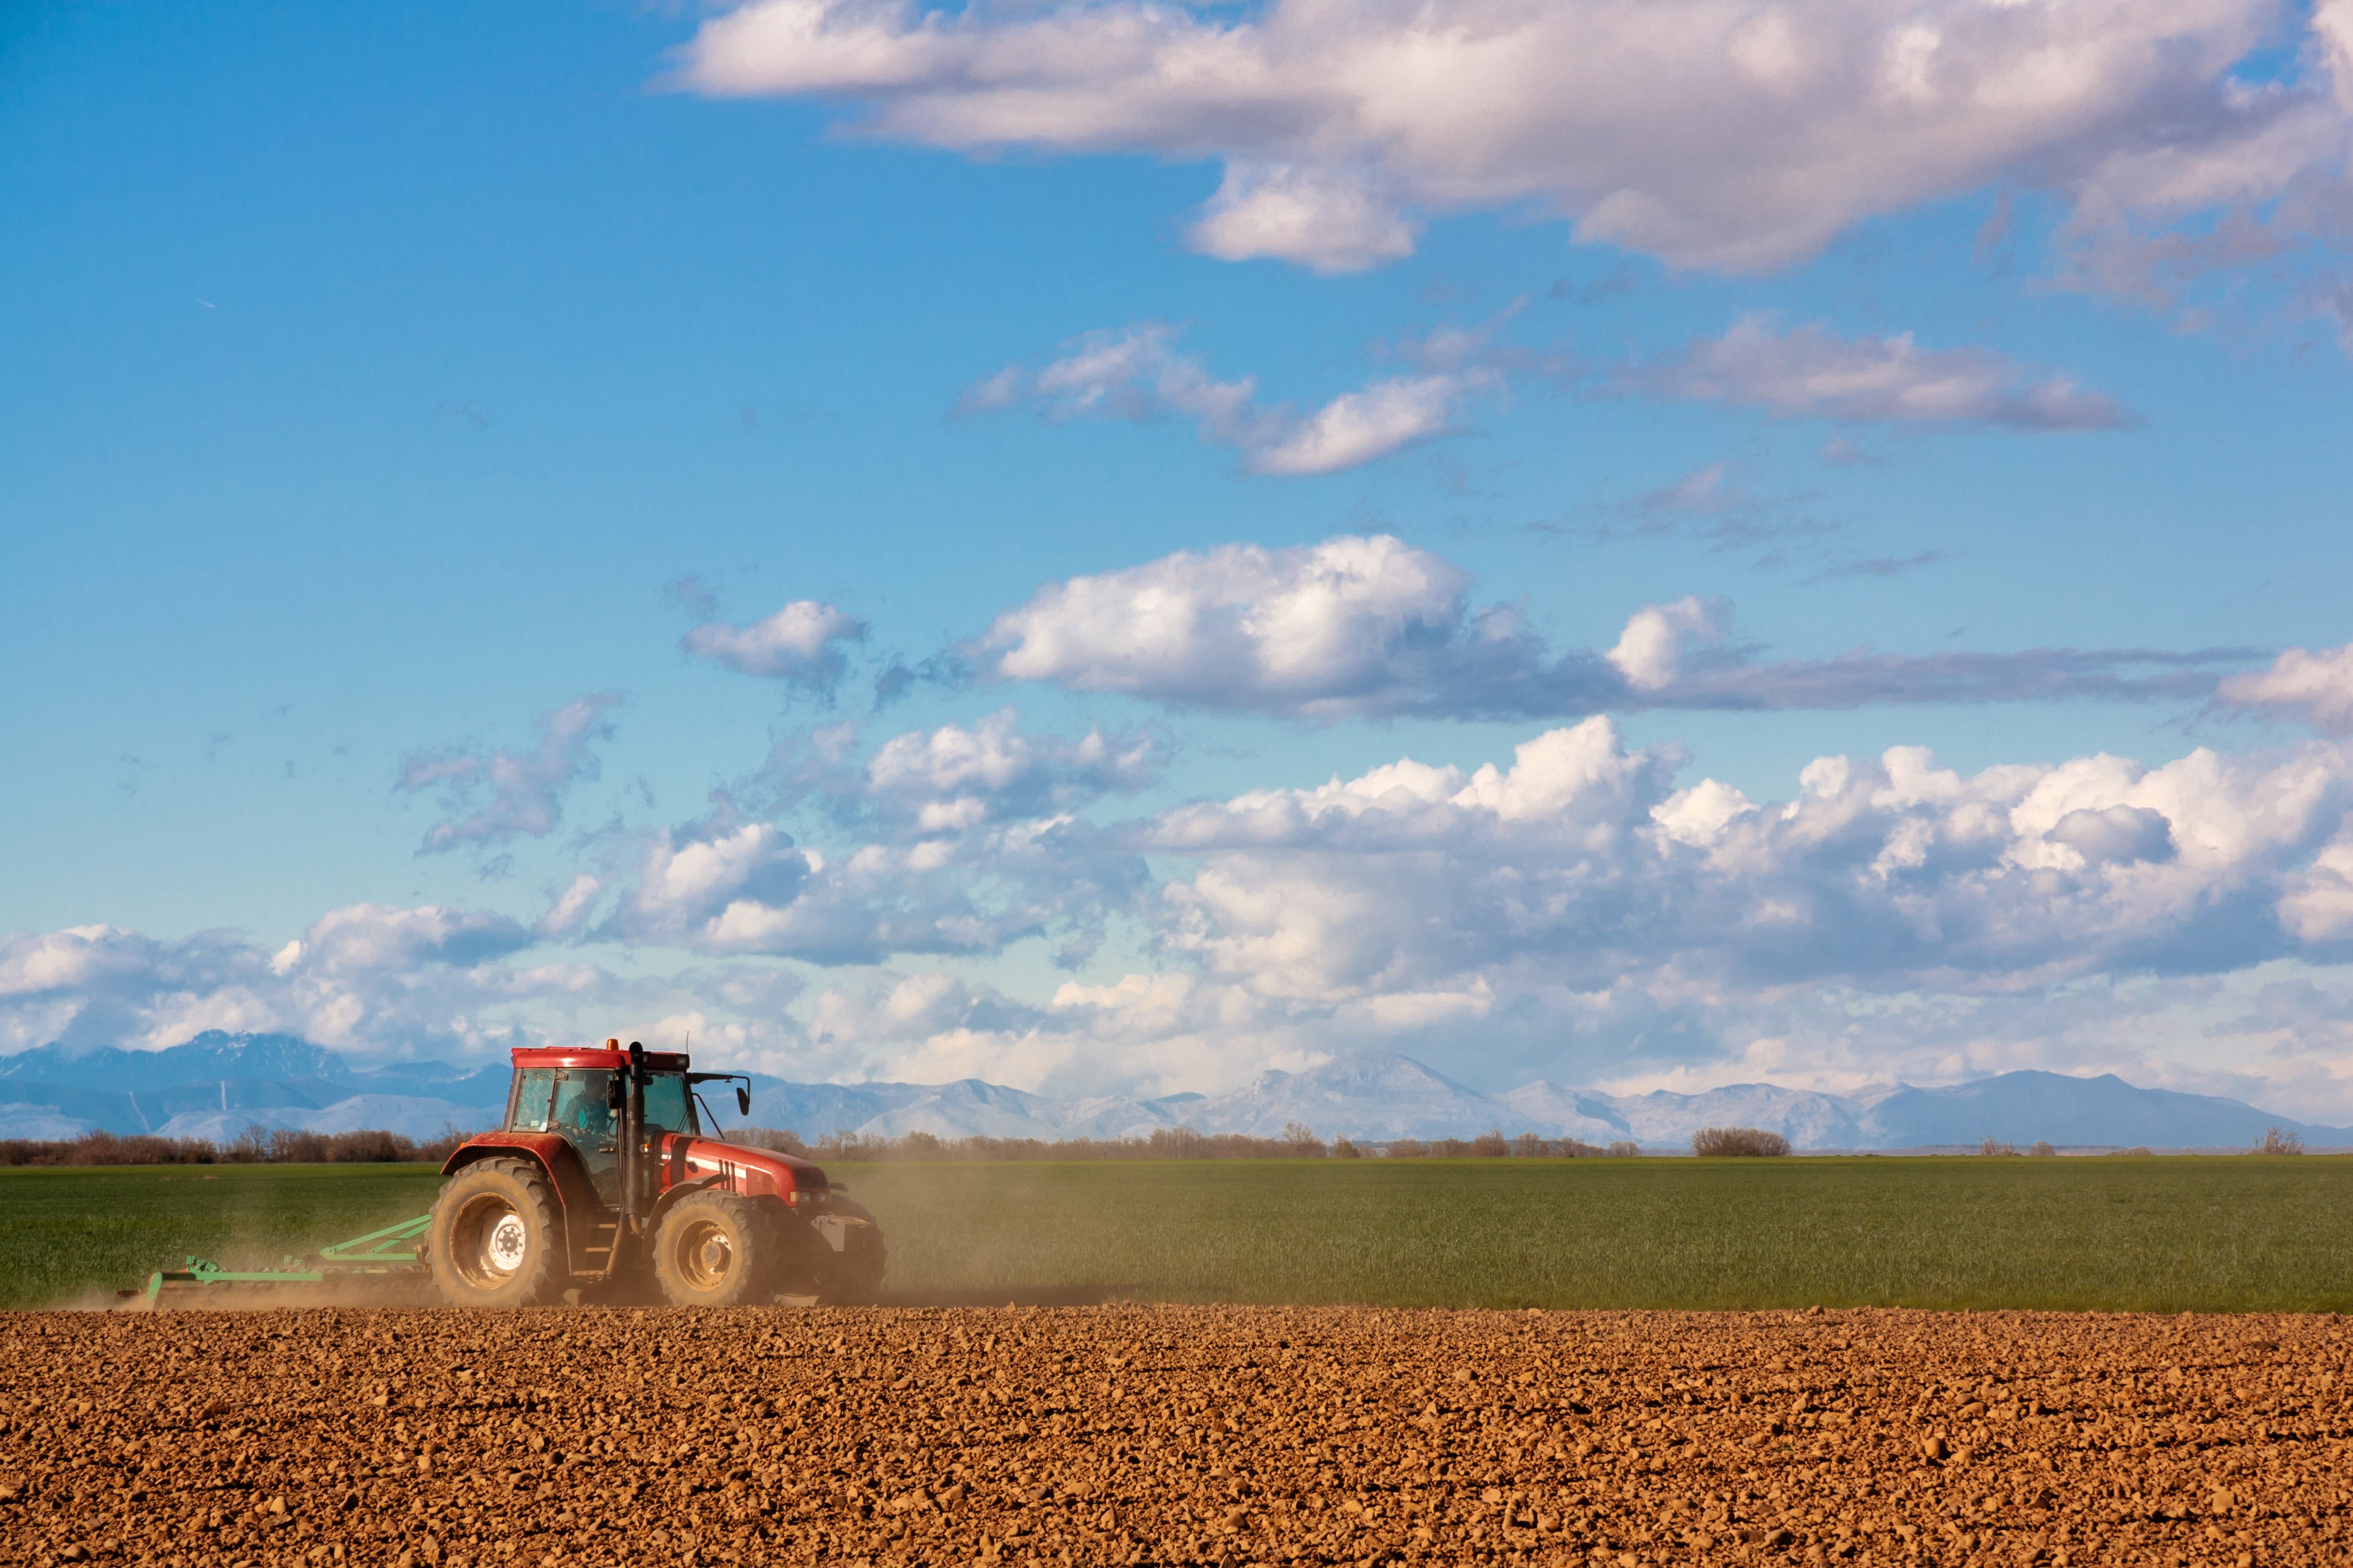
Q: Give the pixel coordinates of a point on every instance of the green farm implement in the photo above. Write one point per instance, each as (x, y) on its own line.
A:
(387, 1263)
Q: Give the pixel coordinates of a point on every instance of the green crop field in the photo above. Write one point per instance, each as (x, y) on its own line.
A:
(2113, 1232)
(69, 1234)
(2166, 1234)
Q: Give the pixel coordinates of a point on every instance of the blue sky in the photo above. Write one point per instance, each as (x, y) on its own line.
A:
(382, 382)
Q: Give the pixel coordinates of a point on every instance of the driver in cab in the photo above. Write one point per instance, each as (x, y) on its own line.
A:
(583, 1115)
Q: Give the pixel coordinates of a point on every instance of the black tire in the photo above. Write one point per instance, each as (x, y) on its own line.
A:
(498, 1236)
(715, 1249)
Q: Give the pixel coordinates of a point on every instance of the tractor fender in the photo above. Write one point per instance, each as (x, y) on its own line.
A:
(671, 1194)
(578, 1205)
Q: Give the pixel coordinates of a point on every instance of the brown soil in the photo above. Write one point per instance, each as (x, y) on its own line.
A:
(1171, 1435)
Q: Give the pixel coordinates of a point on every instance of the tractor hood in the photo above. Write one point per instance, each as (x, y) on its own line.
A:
(740, 1167)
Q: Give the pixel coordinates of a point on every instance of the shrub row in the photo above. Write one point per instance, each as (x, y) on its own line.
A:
(1749, 1143)
(257, 1145)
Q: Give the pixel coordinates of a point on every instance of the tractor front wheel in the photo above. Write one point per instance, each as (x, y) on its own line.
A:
(715, 1249)
(496, 1240)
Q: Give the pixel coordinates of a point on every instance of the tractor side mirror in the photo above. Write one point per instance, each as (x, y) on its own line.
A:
(616, 1096)
(742, 1100)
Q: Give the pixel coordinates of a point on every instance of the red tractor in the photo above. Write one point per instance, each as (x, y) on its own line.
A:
(605, 1179)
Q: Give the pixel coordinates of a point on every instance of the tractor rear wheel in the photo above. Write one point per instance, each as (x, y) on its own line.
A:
(497, 1239)
(715, 1249)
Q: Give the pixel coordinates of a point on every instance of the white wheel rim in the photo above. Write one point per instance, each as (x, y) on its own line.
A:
(504, 1249)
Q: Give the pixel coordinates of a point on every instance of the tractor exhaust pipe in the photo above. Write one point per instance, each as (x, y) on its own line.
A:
(633, 1142)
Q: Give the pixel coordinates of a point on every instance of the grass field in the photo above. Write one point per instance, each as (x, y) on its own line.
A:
(68, 1231)
(2167, 1234)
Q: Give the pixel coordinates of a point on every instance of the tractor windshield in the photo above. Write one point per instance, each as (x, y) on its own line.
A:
(666, 1103)
(576, 1102)
(527, 1108)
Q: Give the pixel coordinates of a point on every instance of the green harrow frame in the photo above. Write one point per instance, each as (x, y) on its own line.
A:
(394, 1255)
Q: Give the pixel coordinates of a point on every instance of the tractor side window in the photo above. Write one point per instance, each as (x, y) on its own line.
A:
(583, 1109)
(666, 1108)
(527, 1111)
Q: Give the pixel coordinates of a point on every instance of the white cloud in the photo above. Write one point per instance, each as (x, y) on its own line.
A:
(1348, 627)
(1809, 372)
(1581, 909)
(1584, 910)
(800, 644)
(953, 778)
(2301, 683)
(76, 958)
(572, 907)
(1716, 133)
(387, 978)
(1584, 864)
(1332, 220)
(526, 789)
(1651, 650)
(1368, 626)
(369, 937)
(1135, 372)
(732, 888)
(1356, 427)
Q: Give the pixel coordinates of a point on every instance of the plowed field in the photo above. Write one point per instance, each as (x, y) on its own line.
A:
(1171, 1435)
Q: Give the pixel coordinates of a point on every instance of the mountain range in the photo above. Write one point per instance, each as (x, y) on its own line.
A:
(217, 1085)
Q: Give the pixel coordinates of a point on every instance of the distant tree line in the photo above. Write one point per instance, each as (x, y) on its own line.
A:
(289, 1146)
(256, 1146)
(1298, 1142)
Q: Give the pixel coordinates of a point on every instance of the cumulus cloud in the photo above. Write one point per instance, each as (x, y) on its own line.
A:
(1582, 909)
(526, 789)
(1136, 372)
(361, 938)
(1811, 372)
(2314, 686)
(1735, 136)
(729, 887)
(1585, 911)
(388, 978)
(1586, 861)
(956, 777)
(1350, 626)
(800, 644)
(571, 909)
(1332, 220)
(1372, 626)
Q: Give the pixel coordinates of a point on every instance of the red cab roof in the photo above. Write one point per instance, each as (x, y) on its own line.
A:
(608, 1057)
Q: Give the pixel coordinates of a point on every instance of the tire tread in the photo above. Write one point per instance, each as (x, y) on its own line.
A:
(754, 1283)
(543, 1276)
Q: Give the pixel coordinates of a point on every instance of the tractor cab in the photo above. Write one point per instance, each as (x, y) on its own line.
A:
(604, 1178)
(585, 1105)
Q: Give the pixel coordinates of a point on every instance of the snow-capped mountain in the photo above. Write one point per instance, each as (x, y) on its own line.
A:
(217, 1085)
